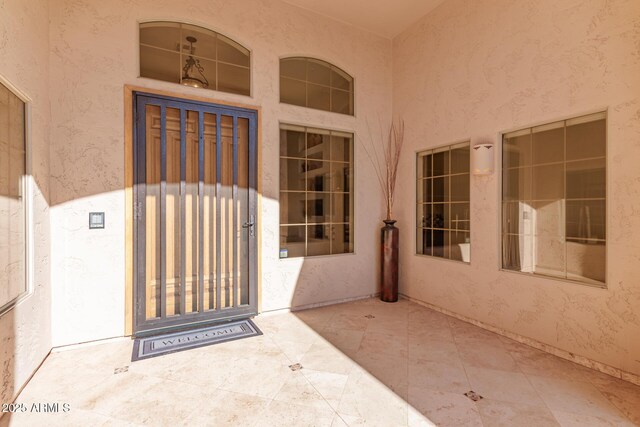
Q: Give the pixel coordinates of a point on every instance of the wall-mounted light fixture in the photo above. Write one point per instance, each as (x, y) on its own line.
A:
(482, 159)
(191, 66)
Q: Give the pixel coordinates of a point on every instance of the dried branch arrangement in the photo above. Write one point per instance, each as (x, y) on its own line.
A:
(385, 158)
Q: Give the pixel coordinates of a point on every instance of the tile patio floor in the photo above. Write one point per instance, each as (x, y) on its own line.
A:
(363, 363)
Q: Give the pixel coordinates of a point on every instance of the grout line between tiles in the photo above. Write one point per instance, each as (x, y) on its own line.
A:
(464, 367)
(335, 410)
(554, 351)
(606, 397)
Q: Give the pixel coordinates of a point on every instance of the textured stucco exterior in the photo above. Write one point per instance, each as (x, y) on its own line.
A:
(472, 69)
(467, 71)
(94, 53)
(25, 330)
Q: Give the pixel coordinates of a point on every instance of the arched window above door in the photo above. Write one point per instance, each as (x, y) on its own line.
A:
(194, 56)
(314, 83)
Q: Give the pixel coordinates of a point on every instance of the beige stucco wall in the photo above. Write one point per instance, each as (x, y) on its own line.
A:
(471, 69)
(25, 332)
(94, 53)
(474, 68)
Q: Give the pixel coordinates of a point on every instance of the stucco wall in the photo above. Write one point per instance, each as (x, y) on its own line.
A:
(94, 53)
(474, 68)
(25, 333)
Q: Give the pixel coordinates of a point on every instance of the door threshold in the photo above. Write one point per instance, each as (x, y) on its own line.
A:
(187, 327)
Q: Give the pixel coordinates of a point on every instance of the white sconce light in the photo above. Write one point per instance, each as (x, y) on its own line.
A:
(483, 159)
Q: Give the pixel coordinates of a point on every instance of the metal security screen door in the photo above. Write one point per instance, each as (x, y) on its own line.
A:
(195, 201)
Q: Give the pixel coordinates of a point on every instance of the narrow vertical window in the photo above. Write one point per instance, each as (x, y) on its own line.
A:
(554, 199)
(443, 203)
(316, 192)
(13, 281)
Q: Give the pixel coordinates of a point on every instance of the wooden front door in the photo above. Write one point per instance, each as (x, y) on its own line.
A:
(195, 206)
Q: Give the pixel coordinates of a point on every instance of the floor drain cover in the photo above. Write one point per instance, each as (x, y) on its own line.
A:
(121, 370)
(473, 395)
(295, 367)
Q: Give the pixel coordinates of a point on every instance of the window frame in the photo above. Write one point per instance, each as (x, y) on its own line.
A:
(352, 193)
(417, 203)
(499, 199)
(28, 195)
(332, 67)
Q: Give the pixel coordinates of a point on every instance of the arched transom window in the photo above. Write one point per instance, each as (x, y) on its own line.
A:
(194, 56)
(313, 83)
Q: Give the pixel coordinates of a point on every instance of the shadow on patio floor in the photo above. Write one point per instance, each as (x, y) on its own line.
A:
(363, 363)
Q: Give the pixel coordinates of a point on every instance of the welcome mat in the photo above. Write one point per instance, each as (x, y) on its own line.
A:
(144, 348)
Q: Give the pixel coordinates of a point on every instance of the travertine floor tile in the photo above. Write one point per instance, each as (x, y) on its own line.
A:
(502, 385)
(444, 408)
(63, 380)
(199, 369)
(262, 378)
(387, 326)
(366, 397)
(348, 420)
(76, 417)
(574, 396)
(568, 419)
(280, 414)
(486, 355)
(384, 343)
(294, 350)
(623, 395)
(323, 356)
(417, 419)
(144, 400)
(546, 365)
(495, 413)
(466, 333)
(433, 350)
(352, 321)
(298, 390)
(448, 377)
(418, 332)
(347, 340)
(364, 363)
(330, 385)
(392, 371)
(229, 409)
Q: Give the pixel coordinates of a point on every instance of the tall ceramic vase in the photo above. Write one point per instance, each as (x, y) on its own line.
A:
(390, 242)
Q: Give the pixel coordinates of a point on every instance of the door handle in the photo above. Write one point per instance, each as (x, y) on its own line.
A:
(249, 224)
